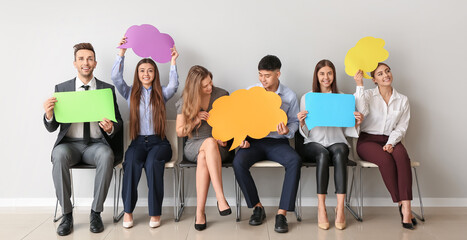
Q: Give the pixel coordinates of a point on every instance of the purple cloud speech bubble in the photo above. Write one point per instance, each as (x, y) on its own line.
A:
(147, 41)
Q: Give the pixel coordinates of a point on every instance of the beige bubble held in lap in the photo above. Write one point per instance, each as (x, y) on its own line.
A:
(254, 112)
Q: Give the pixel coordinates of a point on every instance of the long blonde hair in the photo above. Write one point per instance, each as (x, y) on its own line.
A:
(192, 97)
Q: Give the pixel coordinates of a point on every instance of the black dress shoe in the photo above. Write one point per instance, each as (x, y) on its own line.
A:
(97, 225)
(66, 225)
(258, 216)
(201, 227)
(406, 225)
(414, 221)
(225, 212)
(281, 224)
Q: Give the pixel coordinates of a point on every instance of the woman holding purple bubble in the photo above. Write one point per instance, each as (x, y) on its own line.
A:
(326, 146)
(149, 148)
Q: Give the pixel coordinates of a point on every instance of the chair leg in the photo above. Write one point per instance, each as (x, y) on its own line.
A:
(360, 189)
(349, 194)
(349, 198)
(72, 199)
(422, 217)
(298, 202)
(55, 215)
(176, 194)
(117, 215)
(72, 190)
(181, 193)
(238, 200)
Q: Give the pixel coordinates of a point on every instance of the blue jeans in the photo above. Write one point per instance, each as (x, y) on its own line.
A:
(151, 153)
(277, 150)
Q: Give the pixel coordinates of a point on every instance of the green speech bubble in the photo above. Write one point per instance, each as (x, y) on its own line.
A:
(84, 106)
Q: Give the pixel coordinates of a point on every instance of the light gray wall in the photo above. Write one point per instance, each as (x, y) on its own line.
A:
(425, 39)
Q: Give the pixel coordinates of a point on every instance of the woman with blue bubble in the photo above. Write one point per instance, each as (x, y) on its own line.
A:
(326, 146)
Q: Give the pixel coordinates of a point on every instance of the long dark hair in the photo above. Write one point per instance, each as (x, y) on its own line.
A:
(156, 101)
(319, 65)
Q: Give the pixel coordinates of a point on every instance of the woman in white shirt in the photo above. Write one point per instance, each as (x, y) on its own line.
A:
(387, 115)
(326, 146)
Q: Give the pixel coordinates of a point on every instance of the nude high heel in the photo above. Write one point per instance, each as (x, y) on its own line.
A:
(339, 225)
(324, 225)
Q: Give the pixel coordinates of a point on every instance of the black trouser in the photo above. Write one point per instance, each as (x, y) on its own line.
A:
(337, 153)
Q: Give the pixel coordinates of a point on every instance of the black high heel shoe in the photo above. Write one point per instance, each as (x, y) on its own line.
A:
(414, 220)
(407, 225)
(201, 227)
(225, 212)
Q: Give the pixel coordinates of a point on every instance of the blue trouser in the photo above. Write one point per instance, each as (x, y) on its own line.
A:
(150, 153)
(277, 150)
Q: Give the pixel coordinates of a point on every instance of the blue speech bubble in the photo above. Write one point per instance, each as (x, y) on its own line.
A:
(329, 110)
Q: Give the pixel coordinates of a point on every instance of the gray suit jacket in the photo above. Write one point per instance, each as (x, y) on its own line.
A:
(115, 140)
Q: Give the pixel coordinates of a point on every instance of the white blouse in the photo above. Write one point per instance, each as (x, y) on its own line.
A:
(325, 136)
(380, 119)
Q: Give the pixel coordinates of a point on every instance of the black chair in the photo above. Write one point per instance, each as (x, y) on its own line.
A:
(307, 163)
(185, 164)
(117, 173)
(267, 164)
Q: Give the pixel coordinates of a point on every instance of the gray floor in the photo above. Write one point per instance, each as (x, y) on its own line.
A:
(380, 223)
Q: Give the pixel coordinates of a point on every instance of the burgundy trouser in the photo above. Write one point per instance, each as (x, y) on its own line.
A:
(394, 167)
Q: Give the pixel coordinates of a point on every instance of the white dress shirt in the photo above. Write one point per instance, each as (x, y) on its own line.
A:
(390, 119)
(325, 136)
(76, 129)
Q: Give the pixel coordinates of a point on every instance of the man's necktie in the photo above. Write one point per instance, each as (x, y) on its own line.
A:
(86, 125)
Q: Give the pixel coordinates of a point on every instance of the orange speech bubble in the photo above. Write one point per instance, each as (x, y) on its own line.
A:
(254, 112)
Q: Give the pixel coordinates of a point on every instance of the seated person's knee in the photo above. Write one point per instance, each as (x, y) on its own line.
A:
(60, 154)
(105, 156)
(210, 143)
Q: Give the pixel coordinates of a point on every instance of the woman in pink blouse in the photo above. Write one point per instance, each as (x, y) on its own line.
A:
(387, 114)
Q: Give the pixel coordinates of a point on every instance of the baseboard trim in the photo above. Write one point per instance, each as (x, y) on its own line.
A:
(168, 201)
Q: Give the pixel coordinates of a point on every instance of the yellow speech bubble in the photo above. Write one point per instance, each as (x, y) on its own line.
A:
(365, 56)
(254, 112)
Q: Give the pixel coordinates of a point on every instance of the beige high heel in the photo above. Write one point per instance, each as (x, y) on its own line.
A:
(340, 226)
(128, 224)
(324, 225)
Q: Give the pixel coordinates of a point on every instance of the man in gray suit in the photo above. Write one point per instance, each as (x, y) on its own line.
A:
(96, 143)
